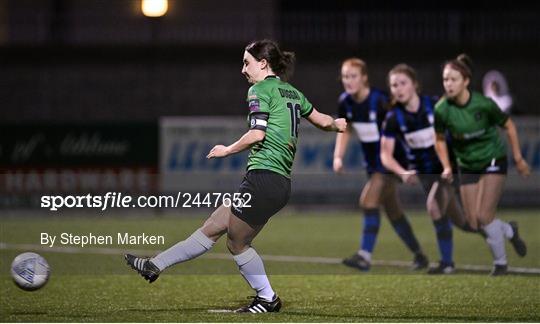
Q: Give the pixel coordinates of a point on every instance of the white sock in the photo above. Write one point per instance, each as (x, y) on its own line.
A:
(365, 254)
(252, 269)
(506, 228)
(190, 248)
(495, 240)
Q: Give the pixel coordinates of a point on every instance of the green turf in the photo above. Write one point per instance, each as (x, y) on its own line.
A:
(325, 298)
(100, 288)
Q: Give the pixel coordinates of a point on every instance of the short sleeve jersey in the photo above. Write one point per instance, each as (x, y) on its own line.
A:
(367, 117)
(415, 132)
(473, 128)
(276, 107)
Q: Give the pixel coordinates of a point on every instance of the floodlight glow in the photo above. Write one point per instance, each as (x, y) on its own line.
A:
(154, 8)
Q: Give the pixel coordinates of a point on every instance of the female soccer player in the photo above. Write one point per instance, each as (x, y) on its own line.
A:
(410, 124)
(471, 120)
(364, 108)
(275, 108)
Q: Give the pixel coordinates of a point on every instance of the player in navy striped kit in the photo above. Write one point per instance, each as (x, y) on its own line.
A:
(409, 124)
(364, 108)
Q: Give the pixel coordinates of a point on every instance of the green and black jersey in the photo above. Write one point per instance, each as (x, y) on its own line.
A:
(473, 128)
(275, 107)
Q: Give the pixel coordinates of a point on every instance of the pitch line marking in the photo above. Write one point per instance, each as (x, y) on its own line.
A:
(226, 256)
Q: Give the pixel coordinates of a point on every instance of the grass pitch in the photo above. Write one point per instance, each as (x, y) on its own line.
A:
(94, 287)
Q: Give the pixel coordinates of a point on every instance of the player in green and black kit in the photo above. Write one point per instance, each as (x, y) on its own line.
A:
(275, 108)
(472, 120)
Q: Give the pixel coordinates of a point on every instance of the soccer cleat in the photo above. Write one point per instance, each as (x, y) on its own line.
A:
(517, 242)
(358, 262)
(420, 261)
(499, 270)
(442, 268)
(143, 266)
(259, 305)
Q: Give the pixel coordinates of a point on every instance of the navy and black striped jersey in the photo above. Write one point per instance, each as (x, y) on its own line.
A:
(367, 117)
(415, 133)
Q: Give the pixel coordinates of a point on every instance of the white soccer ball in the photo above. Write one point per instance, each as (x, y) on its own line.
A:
(30, 271)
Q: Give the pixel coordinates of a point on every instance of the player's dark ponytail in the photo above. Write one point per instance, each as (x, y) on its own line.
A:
(286, 68)
(463, 64)
(466, 61)
(281, 62)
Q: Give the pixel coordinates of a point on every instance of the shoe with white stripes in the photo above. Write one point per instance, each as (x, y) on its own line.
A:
(143, 266)
(260, 305)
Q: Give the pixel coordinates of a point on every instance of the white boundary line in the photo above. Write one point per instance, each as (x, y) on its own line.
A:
(220, 311)
(225, 256)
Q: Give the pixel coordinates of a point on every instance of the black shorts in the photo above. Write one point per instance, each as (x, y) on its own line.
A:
(467, 176)
(388, 176)
(428, 179)
(269, 192)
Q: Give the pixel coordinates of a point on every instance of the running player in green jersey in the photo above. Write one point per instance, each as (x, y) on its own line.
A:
(275, 108)
(472, 121)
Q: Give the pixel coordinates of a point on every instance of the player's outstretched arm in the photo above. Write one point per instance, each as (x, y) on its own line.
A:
(246, 141)
(327, 123)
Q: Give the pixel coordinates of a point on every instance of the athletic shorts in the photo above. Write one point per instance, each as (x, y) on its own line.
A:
(427, 180)
(467, 176)
(387, 176)
(269, 192)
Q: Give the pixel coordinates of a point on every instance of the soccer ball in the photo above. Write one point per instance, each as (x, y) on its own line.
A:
(30, 271)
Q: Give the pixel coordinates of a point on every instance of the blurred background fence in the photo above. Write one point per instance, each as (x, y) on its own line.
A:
(170, 157)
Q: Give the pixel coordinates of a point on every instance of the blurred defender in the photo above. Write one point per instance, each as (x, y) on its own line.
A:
(410, 124)
(275, 108)
(471, 119)
(364, 108)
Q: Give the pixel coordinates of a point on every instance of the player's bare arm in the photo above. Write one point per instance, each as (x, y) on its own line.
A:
(342, 140)
(389, 162)
(521, 164)
(247, 140)
(326, 122)
(442, 151)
